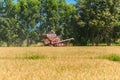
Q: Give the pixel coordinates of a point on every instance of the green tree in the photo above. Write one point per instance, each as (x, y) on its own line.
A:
(8, 28)
(66, 22)
(28, 16)
(8, 31)
(100, 17)
(110, 15)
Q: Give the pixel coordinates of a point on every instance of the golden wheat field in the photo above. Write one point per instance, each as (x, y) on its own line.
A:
(58, 63)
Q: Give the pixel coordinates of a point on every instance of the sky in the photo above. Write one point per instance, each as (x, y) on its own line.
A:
(70, 1)
(15, 0)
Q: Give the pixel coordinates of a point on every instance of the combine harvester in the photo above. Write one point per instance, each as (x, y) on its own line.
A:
(52, 39)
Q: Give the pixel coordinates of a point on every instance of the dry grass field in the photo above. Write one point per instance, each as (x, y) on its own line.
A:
(58, 63)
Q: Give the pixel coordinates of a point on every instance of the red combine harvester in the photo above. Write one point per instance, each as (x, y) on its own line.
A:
(51, 39)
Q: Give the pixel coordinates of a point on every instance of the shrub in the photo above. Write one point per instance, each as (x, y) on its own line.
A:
(34, 56)
(112, 57)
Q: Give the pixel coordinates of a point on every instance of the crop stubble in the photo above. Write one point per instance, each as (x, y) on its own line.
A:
(59, 63)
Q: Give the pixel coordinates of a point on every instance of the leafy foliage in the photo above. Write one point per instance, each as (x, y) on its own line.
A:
(88, 21)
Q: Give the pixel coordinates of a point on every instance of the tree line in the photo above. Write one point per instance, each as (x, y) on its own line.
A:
(88, 21)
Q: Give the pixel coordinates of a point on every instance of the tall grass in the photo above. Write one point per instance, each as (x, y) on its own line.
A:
(34, 56)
